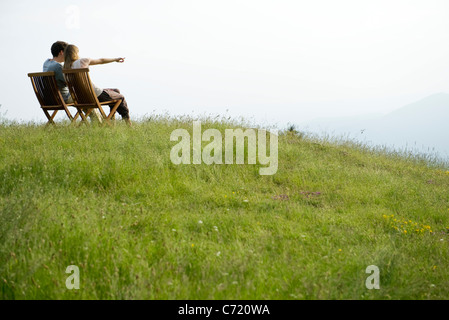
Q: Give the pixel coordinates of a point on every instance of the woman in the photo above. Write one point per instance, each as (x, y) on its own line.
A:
(73, 61)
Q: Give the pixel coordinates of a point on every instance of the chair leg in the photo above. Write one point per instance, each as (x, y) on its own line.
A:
(50, 118)
(76, 117)
(107, 119)
(82, 115)
(69, 115)
(89, 113)
(113, 111)
(103, 114)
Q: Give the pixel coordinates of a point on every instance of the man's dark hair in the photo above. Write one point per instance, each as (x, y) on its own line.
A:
(57, 47)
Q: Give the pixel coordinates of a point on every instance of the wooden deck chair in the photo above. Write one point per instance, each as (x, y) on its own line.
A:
(48, 95)
(84, 97)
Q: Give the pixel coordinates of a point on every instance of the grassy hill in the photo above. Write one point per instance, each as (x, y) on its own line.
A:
(110, 201)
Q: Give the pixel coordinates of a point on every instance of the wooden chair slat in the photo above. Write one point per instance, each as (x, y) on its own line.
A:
(47, 93)
(84, 97)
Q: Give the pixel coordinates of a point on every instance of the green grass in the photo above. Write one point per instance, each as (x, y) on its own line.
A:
(110, 201)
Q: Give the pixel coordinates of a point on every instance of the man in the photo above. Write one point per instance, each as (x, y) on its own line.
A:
(57, 50)
(55, 65)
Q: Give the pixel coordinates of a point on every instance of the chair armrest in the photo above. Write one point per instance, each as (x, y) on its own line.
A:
(110, 101)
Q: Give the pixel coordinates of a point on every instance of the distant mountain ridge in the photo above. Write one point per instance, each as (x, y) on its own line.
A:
(422, 126)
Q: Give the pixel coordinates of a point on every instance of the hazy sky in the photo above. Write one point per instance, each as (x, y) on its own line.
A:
(270, 60)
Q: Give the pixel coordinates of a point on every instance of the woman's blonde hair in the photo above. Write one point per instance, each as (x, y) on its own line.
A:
(70, 55)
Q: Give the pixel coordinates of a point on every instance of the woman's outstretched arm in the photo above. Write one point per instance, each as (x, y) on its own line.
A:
(105, 60)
